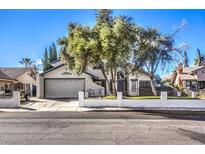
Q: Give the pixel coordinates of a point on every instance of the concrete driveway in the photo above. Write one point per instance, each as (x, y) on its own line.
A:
(50, 105)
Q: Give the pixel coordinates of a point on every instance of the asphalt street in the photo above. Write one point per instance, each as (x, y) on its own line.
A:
(91, 128)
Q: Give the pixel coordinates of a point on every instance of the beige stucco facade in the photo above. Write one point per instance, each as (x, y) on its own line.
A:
(27, 79)
(91, 77)
(4, 83)
(64, 73)
(135, 79)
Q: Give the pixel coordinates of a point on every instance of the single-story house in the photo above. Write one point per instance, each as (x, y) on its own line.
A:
(6, 82)
(191, 78)
(17, 78)
(60, 82)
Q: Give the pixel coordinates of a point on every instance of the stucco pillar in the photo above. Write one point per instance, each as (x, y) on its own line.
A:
(119, 96)
(163, 95)
(31, 90)
(81, 98)
(119, 99)
(17, 97)
(193, 94)
(40, 86)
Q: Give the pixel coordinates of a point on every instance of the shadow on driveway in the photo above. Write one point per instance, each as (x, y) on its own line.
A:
(192, 135)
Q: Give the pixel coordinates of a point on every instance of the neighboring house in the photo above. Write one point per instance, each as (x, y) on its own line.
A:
(6, 82)
(17, 78)
(191, 78)
(60, 82)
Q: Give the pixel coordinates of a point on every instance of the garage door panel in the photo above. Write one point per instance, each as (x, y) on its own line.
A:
(63, 88)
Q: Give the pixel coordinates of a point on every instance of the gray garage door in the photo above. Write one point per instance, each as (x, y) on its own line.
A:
(63, 88)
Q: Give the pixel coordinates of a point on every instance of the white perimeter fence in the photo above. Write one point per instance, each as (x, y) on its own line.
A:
(163, 102)
(14, 101)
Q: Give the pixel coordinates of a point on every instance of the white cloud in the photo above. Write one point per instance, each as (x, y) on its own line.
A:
(183, 45)
(38, 62)
(183, 24)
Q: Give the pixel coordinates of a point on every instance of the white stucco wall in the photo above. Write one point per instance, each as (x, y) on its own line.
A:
(148, 103)
(151, 103)
(40, 86)
(11, 102)
(62, 72)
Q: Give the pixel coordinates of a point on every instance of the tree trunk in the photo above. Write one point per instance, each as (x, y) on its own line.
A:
(114, 90)
(115, 83)
(153, 86)
(107, 82)
(114, 77)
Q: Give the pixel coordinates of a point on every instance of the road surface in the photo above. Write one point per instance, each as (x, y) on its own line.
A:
(93, 128)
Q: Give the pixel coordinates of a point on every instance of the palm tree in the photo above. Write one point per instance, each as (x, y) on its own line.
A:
(200, 59)
(26, 62)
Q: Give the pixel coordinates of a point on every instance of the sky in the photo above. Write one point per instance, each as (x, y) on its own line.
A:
(26, 33)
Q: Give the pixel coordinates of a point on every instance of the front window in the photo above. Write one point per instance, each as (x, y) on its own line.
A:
(188, 84)
(18, 86)
(145, 84)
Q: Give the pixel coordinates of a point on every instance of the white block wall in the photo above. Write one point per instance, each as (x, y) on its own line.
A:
(146, 103)
(11, 102)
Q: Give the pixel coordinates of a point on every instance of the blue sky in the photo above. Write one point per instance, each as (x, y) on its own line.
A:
(25, 33)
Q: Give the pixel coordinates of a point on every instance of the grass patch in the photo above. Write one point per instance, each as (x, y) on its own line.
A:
(181, 97)
(141, 97)
(110, 97)
(201, 97)
(148, 97)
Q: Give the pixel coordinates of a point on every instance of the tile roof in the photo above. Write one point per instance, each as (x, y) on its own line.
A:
(13, 72)
(4, 76)
(57, 60)
(189, 69)
(198, 68)
(187, 77)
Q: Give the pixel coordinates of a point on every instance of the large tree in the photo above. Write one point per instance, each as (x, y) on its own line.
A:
(26, 62)
(45, 60)
(156, 49)
(50, 56)
(106, 45)
(200, 59)
(54, 52)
